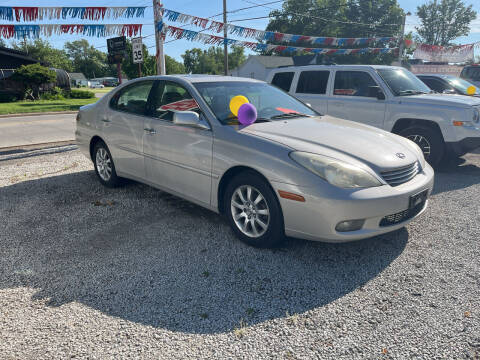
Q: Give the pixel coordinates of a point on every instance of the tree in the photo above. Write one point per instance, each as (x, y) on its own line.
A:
(444, 20)
(172, 66)
(33, 76)
(210, 61)
(87, 60)
(42, 50)
(340, 18)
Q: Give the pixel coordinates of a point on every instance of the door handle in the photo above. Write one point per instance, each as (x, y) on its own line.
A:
(105, 120)
(150, 131)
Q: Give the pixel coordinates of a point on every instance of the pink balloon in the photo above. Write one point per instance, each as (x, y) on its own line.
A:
(247, 114)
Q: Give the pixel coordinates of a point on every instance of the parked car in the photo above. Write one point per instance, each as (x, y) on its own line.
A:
(390, 98)
(292, 172)
(448, 84)
(471, 73)
(96, 85)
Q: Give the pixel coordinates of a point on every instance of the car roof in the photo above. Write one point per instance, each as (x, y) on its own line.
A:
(352, 66)
(195, 78)
(443, 76)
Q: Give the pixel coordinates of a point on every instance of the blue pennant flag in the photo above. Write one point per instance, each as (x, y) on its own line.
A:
(94, 30)
(26, 31)
(132, 11)
(6, 13)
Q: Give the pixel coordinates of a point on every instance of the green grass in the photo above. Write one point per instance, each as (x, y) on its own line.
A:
(103, 90)
(38, 106)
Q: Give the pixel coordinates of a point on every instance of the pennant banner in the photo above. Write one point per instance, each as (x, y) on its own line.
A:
(261, 35)
(29, 13)
(454, 54)
(98, 30)
(179, 33)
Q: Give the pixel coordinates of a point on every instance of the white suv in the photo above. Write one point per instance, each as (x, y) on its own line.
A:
(390, 98)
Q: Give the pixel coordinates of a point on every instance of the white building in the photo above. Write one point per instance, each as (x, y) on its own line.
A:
(258, 66)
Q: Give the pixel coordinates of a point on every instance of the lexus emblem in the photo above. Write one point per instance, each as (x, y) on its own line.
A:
(400, 155)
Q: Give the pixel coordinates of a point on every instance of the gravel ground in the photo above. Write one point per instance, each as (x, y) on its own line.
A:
(91, 272)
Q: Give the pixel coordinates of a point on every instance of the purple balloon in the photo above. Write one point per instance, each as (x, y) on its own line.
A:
(247, 114)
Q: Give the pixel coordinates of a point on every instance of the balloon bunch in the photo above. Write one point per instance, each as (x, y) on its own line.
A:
(243, 110)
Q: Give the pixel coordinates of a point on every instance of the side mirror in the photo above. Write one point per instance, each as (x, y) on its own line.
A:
(189, 118)
(376, 91)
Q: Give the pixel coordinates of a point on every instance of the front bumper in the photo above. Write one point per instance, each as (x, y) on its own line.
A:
(325, 206)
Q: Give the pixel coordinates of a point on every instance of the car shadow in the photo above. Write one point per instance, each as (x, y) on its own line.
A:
(142, 255)
(457, 173)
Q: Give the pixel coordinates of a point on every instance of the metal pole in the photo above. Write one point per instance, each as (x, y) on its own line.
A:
(119, 72)
(139, 69)
(225, 47)
(402, 38)
(160, 56)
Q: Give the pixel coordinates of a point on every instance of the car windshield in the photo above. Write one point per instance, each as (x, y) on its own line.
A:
(472, 73)
(270, 102)
(460, 84)
(402, 82)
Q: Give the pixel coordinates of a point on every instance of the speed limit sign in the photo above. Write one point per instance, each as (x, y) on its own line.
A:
(137, 50)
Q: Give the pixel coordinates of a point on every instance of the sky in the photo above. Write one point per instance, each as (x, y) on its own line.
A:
(202, 8)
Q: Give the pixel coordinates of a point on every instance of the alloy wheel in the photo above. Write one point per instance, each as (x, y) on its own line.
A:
(104, 164)
(250, 211)
(423, 143)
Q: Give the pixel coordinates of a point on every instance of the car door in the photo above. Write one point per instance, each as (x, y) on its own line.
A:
(177, 157)
(123, 127)
(352, 98)
(312, 89)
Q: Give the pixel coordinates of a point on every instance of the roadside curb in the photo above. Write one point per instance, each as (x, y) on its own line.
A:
(20, 154)
(38, 113)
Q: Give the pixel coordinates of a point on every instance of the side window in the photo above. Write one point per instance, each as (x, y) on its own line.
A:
(171, 97)
(353, 83)
(313, 82)
(133, 98)
(435, 85)
(283, 80)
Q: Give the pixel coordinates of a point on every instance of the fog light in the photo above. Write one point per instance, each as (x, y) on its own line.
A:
(349, 225)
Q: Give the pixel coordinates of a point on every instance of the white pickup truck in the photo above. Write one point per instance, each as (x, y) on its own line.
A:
(390, 98)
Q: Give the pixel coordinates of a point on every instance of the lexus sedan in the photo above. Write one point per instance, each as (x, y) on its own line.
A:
(292, 172)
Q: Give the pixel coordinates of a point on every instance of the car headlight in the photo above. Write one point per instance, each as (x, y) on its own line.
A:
(476, 115)
(336, 172)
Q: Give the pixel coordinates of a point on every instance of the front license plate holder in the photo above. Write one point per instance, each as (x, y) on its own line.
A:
(418, 199)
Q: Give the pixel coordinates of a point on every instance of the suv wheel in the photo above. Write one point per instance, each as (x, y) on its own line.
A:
(253, 211)
(429, 140)
(104, 166)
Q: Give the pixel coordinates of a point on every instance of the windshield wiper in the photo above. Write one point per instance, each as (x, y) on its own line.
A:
(289, 115)
(411, 92)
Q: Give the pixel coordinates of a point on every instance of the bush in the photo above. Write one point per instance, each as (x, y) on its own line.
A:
(54, 94)
(81, 94)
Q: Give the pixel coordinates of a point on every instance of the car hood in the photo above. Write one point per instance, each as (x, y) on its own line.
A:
(340, 139)
(440, 99)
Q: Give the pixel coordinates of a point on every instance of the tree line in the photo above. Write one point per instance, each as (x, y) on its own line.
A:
(81, 56)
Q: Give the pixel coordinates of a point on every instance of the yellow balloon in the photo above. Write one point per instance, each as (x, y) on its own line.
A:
(471, 90)
(236, 102)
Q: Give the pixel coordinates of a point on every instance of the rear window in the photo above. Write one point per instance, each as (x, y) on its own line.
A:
(283, 80)
(313, 82)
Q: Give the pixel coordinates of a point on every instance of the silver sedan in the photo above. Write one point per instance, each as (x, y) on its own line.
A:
(290, 173)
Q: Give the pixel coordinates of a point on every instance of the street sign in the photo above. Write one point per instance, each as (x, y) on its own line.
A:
(137, 52)
(117, 46)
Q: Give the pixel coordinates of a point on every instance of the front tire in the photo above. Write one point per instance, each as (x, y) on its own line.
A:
(430, 142)
(253, 211)
(104, 166)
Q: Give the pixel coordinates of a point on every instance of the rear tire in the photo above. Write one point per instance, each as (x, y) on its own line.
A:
(104, 166)
(253, 211)
(429, 140)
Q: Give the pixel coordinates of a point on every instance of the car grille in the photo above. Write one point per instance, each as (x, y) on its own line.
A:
(402, 216)
(401, 175)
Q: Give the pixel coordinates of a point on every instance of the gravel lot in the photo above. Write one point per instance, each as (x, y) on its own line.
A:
(91, 272)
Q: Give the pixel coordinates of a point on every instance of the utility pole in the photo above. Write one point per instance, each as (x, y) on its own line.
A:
(160, 56)
(402, 38)
(225, 46)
